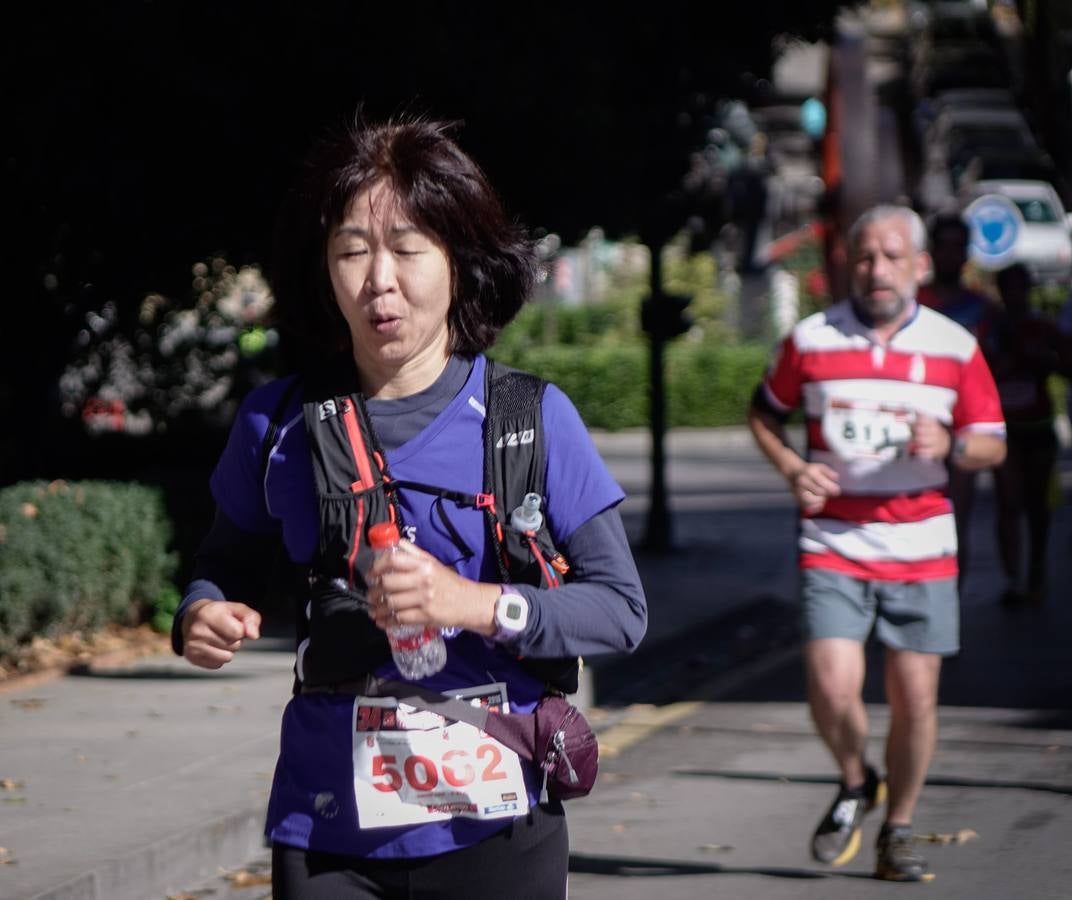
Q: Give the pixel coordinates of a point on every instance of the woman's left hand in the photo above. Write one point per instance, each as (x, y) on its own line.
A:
(412, 587)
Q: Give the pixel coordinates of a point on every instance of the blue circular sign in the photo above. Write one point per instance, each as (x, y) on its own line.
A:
(995, 224)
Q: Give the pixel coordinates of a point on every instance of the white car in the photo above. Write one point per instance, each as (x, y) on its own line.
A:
(1044, 244)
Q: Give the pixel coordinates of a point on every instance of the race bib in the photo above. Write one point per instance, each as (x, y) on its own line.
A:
(411, 766)
(867, 431)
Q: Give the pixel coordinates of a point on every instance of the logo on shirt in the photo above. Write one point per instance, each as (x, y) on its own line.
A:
(516, 438)
(327, 409)
(917, 369)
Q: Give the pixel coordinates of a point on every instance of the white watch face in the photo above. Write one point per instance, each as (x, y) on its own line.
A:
(512, 613)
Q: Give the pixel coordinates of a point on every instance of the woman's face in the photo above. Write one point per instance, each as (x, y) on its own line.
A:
(392, 284)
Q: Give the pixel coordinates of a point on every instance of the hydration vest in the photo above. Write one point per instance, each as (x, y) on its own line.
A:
(338, 643)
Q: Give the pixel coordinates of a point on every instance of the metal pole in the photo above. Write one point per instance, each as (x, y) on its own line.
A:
(657, 536)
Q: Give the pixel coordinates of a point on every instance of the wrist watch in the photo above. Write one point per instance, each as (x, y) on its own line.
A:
(959, 448)
(511, 615)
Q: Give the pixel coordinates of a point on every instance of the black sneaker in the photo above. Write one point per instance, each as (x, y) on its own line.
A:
(898, 858)
(837, 839)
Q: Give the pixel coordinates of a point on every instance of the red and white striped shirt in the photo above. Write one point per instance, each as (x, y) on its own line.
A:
(892, 520)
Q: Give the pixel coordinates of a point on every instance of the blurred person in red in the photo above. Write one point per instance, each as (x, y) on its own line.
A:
(1024, 350)
(890, 392)
(946, 292)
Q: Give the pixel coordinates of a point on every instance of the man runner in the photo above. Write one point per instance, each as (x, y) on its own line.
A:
(889, 390)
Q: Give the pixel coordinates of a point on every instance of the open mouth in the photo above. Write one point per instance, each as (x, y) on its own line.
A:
(385, 324)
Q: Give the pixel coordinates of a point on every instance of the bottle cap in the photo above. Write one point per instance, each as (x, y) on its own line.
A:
(383, 535)
(527, 516)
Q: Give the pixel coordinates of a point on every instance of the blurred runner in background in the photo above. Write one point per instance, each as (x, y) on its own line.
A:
(890, 391)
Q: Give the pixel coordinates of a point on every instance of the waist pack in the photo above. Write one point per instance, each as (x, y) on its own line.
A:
(555, 735)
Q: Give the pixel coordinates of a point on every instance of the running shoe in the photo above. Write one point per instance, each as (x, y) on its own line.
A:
(837, 839)
(898, 858)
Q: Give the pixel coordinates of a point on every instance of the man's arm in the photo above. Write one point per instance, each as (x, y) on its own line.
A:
(978, 428)
(974, 450)
(811, 483)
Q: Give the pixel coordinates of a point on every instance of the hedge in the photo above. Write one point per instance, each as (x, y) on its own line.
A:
(706, 385)
(79, 555)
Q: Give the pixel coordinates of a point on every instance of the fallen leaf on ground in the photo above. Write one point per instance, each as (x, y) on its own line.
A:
(248, 879)
(7, 857)
(10, 784)
(65, 650)
(14, 799)
(961, 837)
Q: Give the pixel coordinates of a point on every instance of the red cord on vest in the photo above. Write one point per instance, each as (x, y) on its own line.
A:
(551, 580)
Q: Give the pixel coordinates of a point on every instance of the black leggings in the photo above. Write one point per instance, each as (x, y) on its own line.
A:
(528, 860)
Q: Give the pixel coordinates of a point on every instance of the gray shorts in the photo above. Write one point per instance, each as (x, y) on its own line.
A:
(907, 615)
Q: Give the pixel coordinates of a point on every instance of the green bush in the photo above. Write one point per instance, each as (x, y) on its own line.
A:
(712, 385)
(707, 385)
(77, 556)
(608, 384)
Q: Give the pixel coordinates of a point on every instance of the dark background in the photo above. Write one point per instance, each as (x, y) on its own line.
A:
(145, 136)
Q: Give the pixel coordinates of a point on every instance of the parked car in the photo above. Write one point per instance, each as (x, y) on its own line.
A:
(975, 98)
(958, 66)
(990, 164)
(954, 122)
(1044, 244)
(930, 108)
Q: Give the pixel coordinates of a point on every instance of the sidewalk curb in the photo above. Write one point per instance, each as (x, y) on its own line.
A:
(167, 866)
(110, 659)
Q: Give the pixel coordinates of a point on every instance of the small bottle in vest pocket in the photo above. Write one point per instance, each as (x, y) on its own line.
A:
(527, 517)
(418, 650)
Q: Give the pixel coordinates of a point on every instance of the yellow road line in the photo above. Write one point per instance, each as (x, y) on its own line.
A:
(641, 722)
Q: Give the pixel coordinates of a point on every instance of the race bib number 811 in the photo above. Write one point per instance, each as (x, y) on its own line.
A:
(859, 431)
(412, 777)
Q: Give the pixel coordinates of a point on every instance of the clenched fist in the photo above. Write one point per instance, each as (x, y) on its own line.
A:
(213, 630)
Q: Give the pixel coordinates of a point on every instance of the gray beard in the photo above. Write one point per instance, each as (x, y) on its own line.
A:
(871, 320)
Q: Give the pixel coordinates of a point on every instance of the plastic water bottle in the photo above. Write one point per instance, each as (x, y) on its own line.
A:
(527, 516)
(418, 650)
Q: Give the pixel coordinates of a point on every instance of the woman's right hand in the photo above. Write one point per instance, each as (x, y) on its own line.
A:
(213, 630)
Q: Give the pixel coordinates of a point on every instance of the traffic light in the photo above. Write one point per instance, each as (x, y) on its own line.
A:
(664, 316)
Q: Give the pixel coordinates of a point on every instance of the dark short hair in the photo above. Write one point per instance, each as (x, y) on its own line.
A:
(950, 222)
(442, 191)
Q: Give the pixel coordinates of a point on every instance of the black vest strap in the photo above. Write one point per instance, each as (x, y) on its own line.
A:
(355, 490)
